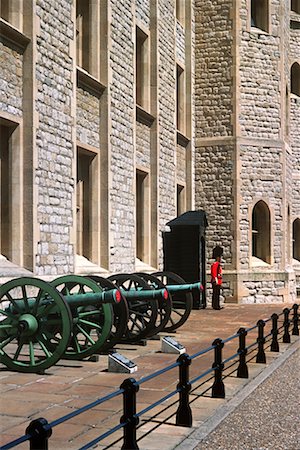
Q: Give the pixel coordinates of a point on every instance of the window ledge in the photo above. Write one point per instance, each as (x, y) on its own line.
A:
(10, 270)
(13, 36)
(89, 83)
(182, 139)
(257, 30)
(84, 266)
(143, 116)
(257, 262)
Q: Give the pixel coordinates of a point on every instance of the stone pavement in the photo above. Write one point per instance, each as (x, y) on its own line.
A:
(72, 384)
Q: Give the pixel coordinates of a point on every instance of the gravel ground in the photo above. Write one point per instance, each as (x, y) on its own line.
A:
(268, 419)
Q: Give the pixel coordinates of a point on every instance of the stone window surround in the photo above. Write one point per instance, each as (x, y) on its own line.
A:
(296, 239)
(270, 256)
(16, 188)
(93, 252)
(266, 9)
(13, 12)
(143, 222)
(180, 11)
(142, 67)
(295, 79)
(88, 43)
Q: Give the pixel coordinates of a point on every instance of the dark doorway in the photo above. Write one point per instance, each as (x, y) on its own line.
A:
(184, 250)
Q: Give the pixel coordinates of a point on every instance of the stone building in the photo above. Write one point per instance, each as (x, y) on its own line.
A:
(117, 116)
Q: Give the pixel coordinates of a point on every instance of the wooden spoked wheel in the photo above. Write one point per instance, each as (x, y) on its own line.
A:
(182, 303)
(92, 323)
(35, 325)
(142, 312)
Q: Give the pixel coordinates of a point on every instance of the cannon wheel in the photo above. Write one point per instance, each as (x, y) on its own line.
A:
(91, 323)
(121, 314)
(142, 313)
(164, 306)
(35, 325)
(182, 303)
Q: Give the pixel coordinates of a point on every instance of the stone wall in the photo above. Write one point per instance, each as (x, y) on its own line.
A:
(142, 146)
(87, 118)
(122, 201)
(55, 152)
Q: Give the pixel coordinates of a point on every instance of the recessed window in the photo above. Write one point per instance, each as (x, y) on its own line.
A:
(260, 14)
(296, 239)
(12, 12)
(180, 11)
(142, 68)
(261, 235)
(88, 35)
(295, 79)
(180, 200)
(142, 215)
(86, 211)
(295, 6)
(180, 99)
(6, 203)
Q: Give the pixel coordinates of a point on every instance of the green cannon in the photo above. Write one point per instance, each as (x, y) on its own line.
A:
(41, 322)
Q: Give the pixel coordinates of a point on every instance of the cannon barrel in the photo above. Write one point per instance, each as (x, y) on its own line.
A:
(174, 288)
(93, 298)
(146, 294)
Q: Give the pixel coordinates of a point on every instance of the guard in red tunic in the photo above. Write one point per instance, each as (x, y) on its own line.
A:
(216, 277)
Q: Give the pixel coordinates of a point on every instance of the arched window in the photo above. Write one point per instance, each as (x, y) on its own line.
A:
(296, 239)
(261, 235)
(295, 79)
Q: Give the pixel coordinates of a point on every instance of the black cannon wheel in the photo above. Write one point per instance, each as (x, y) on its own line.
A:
(91, 323)
(121, 314)
(35, 325)
(182, 303)
(142, 313)
(164, 305)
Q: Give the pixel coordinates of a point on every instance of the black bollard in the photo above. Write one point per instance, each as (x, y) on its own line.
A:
(184, 413)
(295, 320)
(261, 356)
(286, 324)
(130, 387)
(218, 388)
(274, 332)
(40, 432)
(242, 371)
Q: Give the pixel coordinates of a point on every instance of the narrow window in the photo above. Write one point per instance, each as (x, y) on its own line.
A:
(287, 111)
(296, 239)
(85, 207)
(82, 33)
(142, 69)
(180, 99)
(5, 194)
(4, 10)
(295, 6)
(180, 11)
(260, 14)
(180, 199)
(261, 235)
(12, 12)
(142, 216)
(295, 79)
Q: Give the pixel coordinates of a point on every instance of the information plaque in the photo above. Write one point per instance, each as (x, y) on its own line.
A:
(118, 363)
(169, 345)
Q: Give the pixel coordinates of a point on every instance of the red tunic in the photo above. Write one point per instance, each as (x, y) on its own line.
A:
(216, 272)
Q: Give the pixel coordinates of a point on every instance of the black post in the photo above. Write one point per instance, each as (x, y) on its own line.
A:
(130, 387)
(184, 413)
(40, 432)
(261, 356)
(218, 388)
(286, 324)
(242, 371)
(274, 332)
(295, 320)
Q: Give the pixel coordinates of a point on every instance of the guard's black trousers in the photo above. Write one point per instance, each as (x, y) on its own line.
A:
(216, 296)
